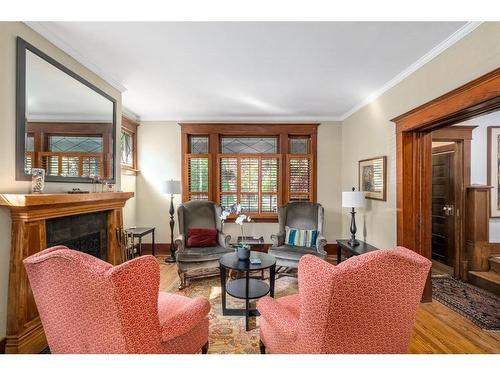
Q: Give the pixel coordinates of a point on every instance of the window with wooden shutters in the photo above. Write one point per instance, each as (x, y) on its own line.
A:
(299, 168)
(260, 166)
(252, 182)
(299, 178)
(197, 169)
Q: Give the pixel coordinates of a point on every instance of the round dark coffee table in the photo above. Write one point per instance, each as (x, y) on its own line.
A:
(246, 288)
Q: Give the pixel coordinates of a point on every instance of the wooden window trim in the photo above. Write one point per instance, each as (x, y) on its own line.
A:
(129, 126)
(214, 131)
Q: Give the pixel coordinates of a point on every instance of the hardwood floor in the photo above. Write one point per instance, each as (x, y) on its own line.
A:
(440, 269)
(438, 329)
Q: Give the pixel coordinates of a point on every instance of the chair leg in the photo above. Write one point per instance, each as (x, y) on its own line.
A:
(204, 348)
(262, 347)
(182, 276)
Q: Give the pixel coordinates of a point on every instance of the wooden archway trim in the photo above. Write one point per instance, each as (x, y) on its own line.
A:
(475, 98)
(413, 156)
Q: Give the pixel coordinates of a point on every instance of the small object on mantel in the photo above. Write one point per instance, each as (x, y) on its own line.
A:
(77, 191)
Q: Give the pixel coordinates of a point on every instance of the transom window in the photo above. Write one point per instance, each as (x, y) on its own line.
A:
(249, 145)
(261, 170)
(59, 143)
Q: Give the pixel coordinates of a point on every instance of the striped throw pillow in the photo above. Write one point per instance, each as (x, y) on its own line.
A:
(301, 237)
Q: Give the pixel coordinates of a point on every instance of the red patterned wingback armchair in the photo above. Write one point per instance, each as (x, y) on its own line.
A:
(88, 306)
(366, 304)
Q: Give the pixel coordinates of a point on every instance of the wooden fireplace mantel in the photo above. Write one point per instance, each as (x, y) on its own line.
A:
(47, 206)
(29, 213)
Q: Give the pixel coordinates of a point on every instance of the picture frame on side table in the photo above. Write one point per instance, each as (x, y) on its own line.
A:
(493, 161)
(373, 178)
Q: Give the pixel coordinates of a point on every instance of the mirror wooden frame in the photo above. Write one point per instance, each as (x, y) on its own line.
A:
(22, 47)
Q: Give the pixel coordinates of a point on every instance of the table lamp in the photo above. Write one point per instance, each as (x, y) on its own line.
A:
(353, 199)
(172, 187)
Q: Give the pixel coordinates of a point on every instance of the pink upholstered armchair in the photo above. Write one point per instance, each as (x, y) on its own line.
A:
(88, 306)
(366, 304)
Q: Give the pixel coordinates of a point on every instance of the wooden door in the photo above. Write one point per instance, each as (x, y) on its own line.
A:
(443, 205)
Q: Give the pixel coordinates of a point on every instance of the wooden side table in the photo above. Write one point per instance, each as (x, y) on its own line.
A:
(141, 232)
(360, 249)
(256, 243)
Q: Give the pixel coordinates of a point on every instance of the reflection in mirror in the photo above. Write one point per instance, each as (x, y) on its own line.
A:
(69, 126)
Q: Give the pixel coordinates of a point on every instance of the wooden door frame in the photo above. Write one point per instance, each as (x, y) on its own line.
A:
(414, 158)
(462, 136)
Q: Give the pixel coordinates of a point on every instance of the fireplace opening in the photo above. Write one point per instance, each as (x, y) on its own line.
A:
(87, 233)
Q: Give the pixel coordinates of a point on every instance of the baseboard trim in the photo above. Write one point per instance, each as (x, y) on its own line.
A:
(164, 248)
(2, 345)
(160, 248)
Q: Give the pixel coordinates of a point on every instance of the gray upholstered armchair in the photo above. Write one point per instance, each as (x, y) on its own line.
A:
(195, 262)
(299, 215)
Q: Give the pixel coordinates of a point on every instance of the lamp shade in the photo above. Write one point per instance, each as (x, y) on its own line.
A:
(353, 199)
(172, 187)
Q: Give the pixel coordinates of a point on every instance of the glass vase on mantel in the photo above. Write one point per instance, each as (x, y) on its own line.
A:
(37, 180)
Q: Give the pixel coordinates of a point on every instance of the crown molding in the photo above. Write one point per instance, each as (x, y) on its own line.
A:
(434, 52)
(131, 114)
(44, 31)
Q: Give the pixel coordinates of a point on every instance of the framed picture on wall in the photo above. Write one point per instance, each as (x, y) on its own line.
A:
(494, 169)
(373, 178)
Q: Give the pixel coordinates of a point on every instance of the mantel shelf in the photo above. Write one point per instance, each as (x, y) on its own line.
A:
(33, 200)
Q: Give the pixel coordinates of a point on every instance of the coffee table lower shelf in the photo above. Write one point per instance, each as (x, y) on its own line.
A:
(256, 288)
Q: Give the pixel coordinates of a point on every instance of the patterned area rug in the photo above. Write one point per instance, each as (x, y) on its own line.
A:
(476, 304)
(227, 334)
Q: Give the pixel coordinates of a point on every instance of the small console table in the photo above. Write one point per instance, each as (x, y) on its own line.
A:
(141, 232)
(360, 249)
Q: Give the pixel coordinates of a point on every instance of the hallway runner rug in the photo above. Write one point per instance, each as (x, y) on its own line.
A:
(479, 306)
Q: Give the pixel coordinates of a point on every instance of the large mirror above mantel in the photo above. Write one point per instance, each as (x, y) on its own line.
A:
(65, 125)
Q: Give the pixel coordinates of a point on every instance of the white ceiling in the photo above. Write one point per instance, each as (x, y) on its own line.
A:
(293, 71)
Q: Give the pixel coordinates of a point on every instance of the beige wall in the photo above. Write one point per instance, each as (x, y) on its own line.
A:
(128, 183)
(369, 132)
(8, 33)
(160, 159)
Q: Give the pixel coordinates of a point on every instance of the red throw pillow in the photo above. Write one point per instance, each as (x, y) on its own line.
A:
(202, 237)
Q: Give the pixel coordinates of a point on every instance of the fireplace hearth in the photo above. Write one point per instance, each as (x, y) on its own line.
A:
(85, 232)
